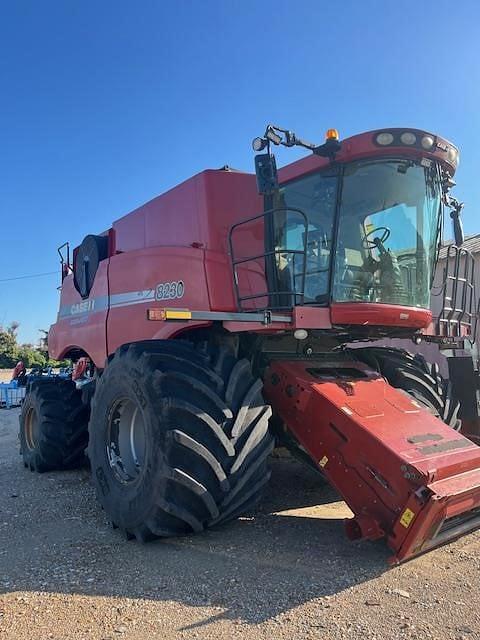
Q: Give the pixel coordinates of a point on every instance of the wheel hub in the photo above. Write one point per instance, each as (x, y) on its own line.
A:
(126, 440)
(31, 428)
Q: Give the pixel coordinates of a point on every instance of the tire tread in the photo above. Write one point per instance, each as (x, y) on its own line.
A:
(213, 427)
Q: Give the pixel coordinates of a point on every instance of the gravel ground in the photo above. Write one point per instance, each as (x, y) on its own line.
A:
(288, 572)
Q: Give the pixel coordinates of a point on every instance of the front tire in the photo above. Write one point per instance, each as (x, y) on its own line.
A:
(179, 438)
(416, 376)
(53, 426)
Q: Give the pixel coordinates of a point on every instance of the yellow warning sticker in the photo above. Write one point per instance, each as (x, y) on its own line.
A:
(323, 461)
(407, 517)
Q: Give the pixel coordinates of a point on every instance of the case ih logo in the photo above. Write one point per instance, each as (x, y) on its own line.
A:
(82, 307)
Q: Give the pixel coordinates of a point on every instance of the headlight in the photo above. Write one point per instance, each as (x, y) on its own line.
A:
(452, 155)
(408, 138)
(384, 139)
(259, 144)
(427, 142)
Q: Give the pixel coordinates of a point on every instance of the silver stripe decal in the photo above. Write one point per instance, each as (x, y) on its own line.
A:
(132, 297)
(92, 305)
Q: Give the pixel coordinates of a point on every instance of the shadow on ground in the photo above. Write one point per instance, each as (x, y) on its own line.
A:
(56, 539)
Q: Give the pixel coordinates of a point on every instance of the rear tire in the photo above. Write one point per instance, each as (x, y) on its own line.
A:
(53, 426)
(416, 376)
(179, 438)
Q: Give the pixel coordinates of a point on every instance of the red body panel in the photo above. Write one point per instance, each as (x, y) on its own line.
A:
(376, 314)
(198, 212)
(218, 271)
(82, 324)
(382, 451)
(133, 289)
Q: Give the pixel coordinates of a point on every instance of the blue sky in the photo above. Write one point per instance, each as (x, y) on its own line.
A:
(107, 104)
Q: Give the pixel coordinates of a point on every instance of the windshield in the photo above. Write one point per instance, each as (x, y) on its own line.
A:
(386, 239)
(387, 233)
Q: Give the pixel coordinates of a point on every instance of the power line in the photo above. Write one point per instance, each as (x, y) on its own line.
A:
(33, 275)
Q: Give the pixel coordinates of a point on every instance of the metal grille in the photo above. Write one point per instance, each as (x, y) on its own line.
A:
(469, 518)
(452, 528)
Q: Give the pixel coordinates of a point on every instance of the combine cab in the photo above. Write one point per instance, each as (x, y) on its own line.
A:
(220, 317)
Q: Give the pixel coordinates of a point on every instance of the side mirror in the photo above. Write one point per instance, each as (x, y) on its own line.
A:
(457, 227)
(266, 172)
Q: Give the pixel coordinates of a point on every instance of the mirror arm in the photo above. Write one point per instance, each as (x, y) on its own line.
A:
(455, 214)
(289, 139)
(455, 208)
(457, 221)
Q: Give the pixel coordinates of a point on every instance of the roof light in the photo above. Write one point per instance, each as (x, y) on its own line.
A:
(408, 137)
(332, 134)
(452, 155)
(384, 139)
(427, 142)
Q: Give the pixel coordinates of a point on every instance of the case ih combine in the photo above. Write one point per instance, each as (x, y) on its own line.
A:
(202, 335)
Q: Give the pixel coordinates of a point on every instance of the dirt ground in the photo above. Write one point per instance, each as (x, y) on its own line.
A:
(287, 572)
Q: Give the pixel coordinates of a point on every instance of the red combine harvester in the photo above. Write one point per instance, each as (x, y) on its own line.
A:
(201, 336)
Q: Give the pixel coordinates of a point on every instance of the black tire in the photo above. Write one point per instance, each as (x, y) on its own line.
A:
(416, 376)
(201, 438)
(53, 426)
(88, 256)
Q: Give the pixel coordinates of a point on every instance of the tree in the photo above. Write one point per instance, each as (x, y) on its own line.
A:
(11, 352)
(13, 328)
(8, 350)
(30, 356)
(43, 340)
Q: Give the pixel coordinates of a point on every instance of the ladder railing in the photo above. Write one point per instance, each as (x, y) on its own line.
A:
(457, 318)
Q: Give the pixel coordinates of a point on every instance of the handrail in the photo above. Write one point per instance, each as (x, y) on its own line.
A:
(273, 293)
